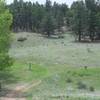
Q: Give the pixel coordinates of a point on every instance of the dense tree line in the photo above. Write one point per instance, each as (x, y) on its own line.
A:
(85, 20)
(36, 17)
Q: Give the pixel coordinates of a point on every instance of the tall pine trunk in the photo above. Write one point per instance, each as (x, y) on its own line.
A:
(79, 33)
(0, 86)
(48, 33)
(79, 38)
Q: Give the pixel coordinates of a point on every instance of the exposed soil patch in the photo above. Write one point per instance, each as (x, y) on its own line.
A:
(18, 92)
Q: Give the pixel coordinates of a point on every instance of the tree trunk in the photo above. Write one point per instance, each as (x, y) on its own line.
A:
(92, 37)
(0, 86)
(48, 33)
(79, 38)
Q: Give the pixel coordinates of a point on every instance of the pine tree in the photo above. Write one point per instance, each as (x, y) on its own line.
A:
(48, 25)
(28, 16)
(78, 18)
(92, 23)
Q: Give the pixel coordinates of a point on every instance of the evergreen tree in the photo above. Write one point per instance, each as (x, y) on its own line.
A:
(48, 25)
(28, 16)
(59, 20)
(79, 18)
(92, 23)
(48, 6)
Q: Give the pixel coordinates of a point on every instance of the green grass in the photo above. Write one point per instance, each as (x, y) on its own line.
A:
(54, 80)
(64, 98)
(36, 72)
(56, 84)
(54, 61)
(55, 51)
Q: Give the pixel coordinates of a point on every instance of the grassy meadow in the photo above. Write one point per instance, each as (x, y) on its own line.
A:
(61, 69)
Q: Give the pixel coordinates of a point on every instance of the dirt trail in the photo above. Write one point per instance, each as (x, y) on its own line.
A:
(16, 93)
(6, 98)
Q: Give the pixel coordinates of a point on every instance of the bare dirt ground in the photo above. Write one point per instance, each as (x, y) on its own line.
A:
(17, 92)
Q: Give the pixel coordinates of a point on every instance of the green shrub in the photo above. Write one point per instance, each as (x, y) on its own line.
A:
(21, 39)
(92, 89)
(69, 80)
(81, 85)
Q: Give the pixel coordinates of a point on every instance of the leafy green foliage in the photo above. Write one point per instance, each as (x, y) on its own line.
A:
(5, 61)
(5, 22)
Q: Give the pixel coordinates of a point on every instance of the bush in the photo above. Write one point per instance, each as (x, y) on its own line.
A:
(69, 80)
(22, 39)
(81, 85)
(85, 67)
(60, 36)
(91, 89)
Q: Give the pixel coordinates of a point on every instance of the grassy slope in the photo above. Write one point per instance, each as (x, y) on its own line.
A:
(53, 62)
(55, 51)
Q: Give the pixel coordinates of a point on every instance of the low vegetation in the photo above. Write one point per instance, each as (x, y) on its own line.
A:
(59, 79)
(49, 64)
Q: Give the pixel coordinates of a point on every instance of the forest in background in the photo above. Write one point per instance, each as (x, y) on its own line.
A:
(83, 18)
